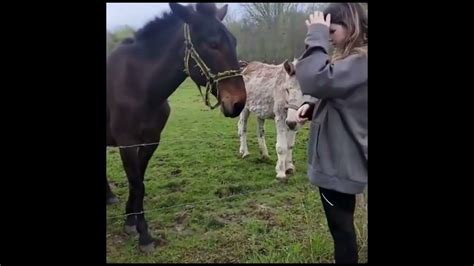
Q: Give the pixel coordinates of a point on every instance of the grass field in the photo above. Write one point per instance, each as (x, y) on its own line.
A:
(206, 204)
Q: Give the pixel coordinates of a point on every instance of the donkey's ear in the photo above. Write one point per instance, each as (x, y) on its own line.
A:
(221, 12)
(184, 12)
(289, 67)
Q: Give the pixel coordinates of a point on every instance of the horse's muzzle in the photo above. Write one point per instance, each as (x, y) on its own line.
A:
(232, 110)
(238, 107)
(233, 96)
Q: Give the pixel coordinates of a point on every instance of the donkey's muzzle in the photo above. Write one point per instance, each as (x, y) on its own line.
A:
(291, 125)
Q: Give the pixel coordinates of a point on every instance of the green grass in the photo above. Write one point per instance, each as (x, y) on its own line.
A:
(207, 204)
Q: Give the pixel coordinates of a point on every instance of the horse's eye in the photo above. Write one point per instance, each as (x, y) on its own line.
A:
(213, 45)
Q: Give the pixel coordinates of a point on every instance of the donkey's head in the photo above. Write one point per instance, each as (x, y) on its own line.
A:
(293, 95)
(211, 55)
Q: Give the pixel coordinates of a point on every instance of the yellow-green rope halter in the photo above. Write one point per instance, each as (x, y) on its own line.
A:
(212, 79)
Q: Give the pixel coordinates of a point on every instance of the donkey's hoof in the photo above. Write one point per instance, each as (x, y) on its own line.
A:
(149, 248)
(289, 171)
(112, 200)
(130, 230)
(281, 176)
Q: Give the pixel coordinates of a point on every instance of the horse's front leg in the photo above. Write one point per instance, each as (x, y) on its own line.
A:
(145, 240)
(281, 148)
(290, 136)
(132, 159)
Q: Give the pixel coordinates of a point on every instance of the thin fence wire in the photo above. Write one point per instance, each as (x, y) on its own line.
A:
(195, 203)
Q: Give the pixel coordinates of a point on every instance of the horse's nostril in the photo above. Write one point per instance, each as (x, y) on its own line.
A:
(238, 106)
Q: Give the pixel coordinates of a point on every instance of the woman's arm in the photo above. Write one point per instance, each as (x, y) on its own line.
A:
(320, 78)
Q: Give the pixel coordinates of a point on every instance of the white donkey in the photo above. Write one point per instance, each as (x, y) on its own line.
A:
(272, 93)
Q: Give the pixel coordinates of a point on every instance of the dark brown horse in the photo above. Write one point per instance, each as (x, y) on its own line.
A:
(144, 71)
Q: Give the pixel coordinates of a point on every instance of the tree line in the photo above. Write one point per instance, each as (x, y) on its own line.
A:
(267, 32)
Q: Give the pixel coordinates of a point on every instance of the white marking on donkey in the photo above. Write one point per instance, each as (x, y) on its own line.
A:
(272, 93)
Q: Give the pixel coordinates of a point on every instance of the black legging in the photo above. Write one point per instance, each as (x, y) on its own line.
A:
(339, 209)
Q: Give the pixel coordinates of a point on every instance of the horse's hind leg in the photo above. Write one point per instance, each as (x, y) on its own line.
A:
(110, 197)
(261, 138)
(242, 131)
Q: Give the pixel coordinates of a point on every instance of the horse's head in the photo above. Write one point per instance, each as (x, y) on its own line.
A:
(209, 42)
(293, 95)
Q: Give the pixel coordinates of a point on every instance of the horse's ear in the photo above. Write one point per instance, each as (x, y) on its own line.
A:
(289, 67)
(221, 12)
(185, 13)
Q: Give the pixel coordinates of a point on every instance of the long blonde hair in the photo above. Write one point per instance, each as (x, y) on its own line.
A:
(354, 19)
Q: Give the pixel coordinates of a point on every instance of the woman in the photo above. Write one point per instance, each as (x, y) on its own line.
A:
(337, 149)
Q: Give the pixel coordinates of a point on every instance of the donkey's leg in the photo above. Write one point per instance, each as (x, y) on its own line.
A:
(242, 131)
(281, 147)
(261, 138)
(290, 137)
(110, 197)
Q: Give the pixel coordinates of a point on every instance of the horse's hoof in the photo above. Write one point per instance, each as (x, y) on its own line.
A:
(130, 230)
(112, 200)
(149, 248)
(245, 155)
(289, 171)
(265, 157)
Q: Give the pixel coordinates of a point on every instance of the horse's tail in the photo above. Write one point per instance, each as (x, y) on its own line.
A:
(128, 40)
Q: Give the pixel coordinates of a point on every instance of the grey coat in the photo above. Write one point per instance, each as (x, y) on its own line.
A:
(337, 149)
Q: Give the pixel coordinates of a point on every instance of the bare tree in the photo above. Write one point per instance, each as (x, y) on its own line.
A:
(267, 12)
(310, 8)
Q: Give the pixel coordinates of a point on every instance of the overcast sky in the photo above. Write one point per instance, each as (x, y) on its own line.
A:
(137, 14)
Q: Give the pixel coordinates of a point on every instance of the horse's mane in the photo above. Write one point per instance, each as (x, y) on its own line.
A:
(155, 32)
(157, 28)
